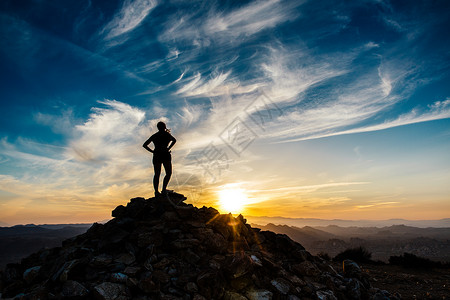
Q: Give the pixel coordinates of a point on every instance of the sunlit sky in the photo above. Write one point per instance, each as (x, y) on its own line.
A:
(313, 109)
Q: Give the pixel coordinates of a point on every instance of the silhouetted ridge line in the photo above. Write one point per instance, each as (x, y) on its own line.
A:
(155, 249)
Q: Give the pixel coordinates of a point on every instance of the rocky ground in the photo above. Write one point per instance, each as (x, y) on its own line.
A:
(162, 248)
(410, 283)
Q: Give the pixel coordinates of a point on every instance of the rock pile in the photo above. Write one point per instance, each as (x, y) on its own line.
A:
(162, 248)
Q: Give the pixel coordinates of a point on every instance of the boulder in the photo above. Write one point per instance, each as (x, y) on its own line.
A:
(259, 294)
(282, 285)
(74, 289)
(351, 268)
(111, 291)
(31, 273)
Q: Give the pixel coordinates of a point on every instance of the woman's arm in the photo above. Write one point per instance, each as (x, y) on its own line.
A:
(147, 142)
(172, 142)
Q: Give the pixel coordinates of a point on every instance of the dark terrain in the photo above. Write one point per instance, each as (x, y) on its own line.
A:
(17, 242)
(154, 249)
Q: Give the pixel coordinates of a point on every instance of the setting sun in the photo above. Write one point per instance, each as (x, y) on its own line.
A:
(232, 200)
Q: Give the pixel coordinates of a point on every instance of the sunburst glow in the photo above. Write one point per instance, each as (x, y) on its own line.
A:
(232, 200)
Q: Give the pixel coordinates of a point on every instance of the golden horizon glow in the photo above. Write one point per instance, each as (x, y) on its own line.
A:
(232, 199)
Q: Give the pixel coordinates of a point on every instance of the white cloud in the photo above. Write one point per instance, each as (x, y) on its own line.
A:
(108, 132)
(289, 73)
(439, 110)
(128, 18)
(229, 27)
(217, 85)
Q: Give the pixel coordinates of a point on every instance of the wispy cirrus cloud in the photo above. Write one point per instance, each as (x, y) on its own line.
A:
(131, 14)
(437, 111)
(229, 26)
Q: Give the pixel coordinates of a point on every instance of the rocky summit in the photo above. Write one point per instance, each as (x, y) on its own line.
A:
(163, 248)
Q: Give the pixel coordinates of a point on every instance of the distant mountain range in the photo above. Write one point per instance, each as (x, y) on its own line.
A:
(301, 222)
(19, 241)
(431, 243)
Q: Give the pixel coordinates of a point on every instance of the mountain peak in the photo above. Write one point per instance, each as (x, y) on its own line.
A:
(162, 248)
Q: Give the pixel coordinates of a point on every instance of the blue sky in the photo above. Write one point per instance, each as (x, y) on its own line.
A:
(328, 109)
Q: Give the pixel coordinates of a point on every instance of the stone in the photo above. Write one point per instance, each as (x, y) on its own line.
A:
(211, 284)
(185, 243)
(12, 272)
(30, 274)
(306, 268)
(191, 257)
(111, 291)
(191, 287)
(240, 283)
(160, 276)
(281, 285)
(238, 264)
(74, 289)
(132, 271)
(147, 285)
(170, 216)
(326, 295)
(354, 289)
(125, 258)
(119, 212)
(259, 294)
(233, 296)
(101, 260)
(215, 242)
(71, 269)
(164, 262)
(119, 278)
(256, 260)
(198, 297)
(351, 268)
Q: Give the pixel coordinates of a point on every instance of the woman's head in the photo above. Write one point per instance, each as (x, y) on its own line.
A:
(161, 126)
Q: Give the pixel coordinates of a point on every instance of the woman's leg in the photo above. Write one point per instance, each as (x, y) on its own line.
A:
(168, 168)
(157, 169)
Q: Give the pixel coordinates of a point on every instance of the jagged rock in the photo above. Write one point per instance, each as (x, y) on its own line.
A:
(198, 297)
(125, 258)
(162, 248)
(12, 272)
(238, 264)
(111, 291)
(354, 289)
(147, 285)
(73, 289)
(351, 268)
(119, 211)
(233, 296)
(30, 274)
(101, 260)
(259, 295)
(281, 285)
(119, 278)
(185, 243)
(325, 295)
(191, 287)
(306, 268)
(71, 269)
(211, 284)
(131, 271)
(241, 283)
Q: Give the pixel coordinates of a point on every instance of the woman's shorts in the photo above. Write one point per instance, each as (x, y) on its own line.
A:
(161, 157)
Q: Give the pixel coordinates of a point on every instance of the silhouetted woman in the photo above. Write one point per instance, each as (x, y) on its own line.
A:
(161, 155)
